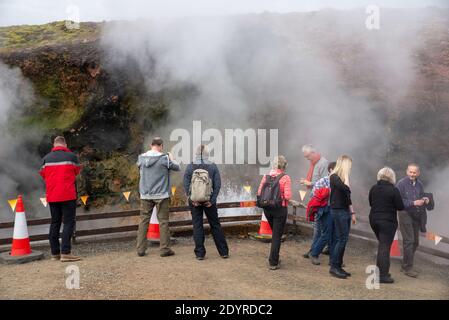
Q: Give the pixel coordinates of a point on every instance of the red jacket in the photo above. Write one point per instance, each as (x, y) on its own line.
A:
(59, 170)
(285, 184)
(319, 199)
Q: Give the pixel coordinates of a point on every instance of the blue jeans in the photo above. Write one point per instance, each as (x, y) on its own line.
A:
(324, 225)
(342, 225)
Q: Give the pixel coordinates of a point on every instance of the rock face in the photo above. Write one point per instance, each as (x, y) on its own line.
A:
(105, 112)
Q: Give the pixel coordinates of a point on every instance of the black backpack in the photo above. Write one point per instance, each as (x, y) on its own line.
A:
(270, 195)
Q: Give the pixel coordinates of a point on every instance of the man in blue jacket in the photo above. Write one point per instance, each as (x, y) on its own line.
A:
(412, 193)
(208, 207)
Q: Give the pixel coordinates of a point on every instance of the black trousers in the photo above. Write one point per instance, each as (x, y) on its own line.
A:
(384, 231)
(62, 212)
(215, 228)
(277, 219)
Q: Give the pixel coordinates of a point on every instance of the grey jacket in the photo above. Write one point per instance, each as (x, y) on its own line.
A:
(319, 171)
(154, 170)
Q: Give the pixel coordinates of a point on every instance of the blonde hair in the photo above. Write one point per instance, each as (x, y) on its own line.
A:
(343, 168)
(386, 174)
(279, 162)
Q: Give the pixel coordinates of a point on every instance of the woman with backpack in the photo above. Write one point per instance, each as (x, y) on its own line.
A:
(273, 196)
(342, 214)
(202, 184)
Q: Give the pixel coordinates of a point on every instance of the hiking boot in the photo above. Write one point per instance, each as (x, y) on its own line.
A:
(306, 255)
(167, 253)
(276, 266)
(55, 257)
(225, 256)
(200, 258)
(337, 273)
(69, 258)
(326, 251)
(315, 260)
(411, 273)
(387, 279)
(141, 254)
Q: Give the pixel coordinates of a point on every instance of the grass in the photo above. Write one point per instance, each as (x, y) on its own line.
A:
(30, 36)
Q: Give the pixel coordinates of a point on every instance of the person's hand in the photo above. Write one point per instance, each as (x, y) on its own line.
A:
(418, 203)
(305, 182)
(353, 218)
(195, 203)
(208, 204)
(426, 200)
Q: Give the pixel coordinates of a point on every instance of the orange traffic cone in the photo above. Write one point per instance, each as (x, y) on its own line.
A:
(21, 249)
(153, 229)
(395, 251)
(264, 229)
(21, 241)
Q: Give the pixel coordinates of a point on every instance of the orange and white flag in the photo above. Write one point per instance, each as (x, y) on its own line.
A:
(44, 201)
(12, 204)
(126, 194)
(84, 199)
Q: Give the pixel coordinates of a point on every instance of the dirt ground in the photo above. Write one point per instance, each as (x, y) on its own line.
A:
(112, 270)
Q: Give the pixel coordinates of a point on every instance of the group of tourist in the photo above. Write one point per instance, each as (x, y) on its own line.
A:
(328, 202)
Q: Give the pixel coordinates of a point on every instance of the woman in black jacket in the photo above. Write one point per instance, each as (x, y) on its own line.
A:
(341, 213)
(385, 200)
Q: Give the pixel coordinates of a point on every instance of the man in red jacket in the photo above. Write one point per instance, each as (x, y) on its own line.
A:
(59, 170)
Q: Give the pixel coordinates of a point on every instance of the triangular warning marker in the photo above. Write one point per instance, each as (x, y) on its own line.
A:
(247, 188)
(302, 194)
(173, 190)
(84, 199)
(13, 203)
(438, 239)
(126, 195)
(44, 201)
(430, 236)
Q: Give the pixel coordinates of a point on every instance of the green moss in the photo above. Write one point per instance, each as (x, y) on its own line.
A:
(30, 36)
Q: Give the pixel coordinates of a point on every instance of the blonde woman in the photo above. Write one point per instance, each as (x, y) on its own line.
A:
(342, 214)
(385, 200)
(275, 204)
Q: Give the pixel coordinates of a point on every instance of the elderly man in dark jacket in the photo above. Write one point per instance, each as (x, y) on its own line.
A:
(208, 207)
(415, 202)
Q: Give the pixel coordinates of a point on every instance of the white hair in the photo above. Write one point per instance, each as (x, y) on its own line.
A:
(386, 174)
(279, 162)
(308, 148)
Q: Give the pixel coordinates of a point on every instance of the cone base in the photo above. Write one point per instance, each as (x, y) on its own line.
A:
(263, 238)
(7, 258)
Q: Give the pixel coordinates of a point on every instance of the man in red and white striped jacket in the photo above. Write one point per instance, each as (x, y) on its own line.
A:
(59, 170)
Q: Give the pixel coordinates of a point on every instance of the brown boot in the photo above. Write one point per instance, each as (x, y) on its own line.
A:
(55, 257)
(69, 258)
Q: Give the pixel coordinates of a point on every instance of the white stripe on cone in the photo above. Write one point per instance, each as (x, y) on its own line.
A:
(263, 217)
(154, 219)
(20, 226)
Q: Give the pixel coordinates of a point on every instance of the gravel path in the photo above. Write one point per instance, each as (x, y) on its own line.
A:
(111, 270)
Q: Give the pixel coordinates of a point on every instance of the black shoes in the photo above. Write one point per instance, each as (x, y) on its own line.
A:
(337, 273)
(225, 256)
(167, 253)
(306, 255)
(200, 258)
(345, 272)
(326, 251)
(141, 254)
(387, 279)
(276, 266)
